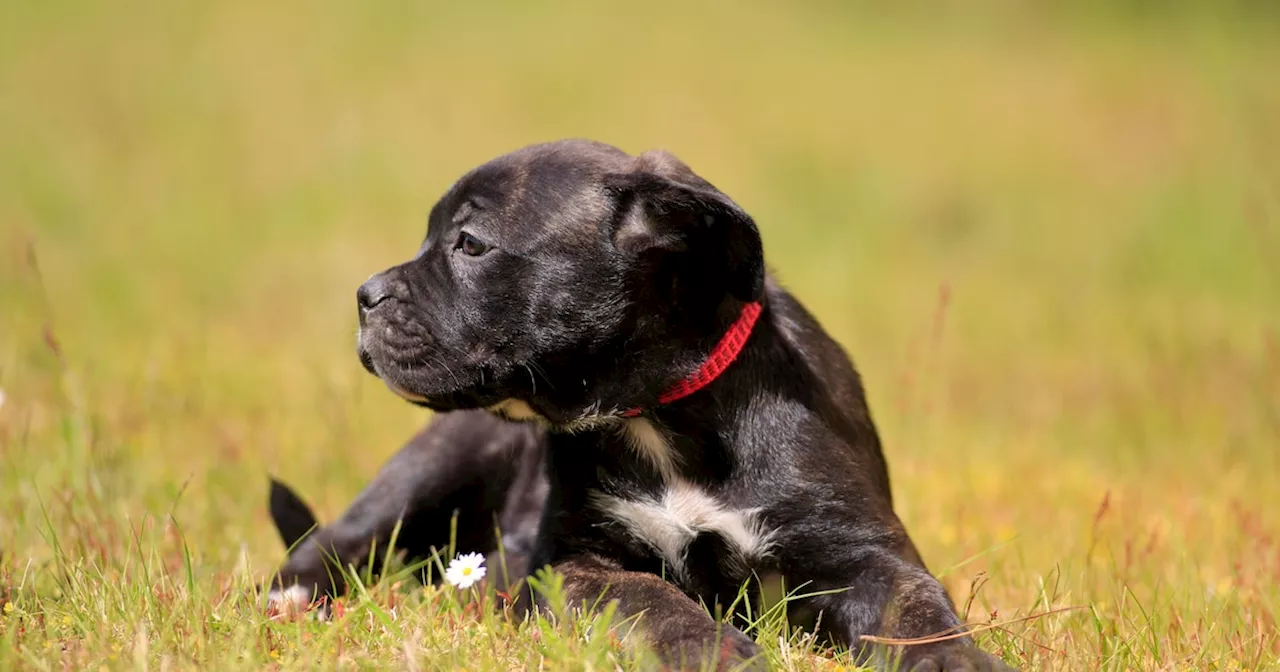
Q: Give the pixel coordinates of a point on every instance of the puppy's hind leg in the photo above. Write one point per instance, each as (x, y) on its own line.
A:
(466, 463)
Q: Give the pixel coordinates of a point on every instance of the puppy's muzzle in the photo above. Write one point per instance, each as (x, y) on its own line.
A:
(374, 292)
(374, 296)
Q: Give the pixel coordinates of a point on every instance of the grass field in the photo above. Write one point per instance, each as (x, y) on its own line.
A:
(1050, 239)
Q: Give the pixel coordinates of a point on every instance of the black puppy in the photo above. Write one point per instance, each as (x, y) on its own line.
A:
(488, 472)
(705, 428)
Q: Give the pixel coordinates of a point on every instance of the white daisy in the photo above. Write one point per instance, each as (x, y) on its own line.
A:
(465, 570)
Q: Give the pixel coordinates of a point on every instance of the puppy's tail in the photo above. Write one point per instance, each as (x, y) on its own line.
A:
(293, 518)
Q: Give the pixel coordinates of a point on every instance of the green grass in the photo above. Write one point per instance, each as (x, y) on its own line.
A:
(1049, 238)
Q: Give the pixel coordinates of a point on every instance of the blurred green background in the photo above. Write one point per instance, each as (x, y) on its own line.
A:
(1049, 236)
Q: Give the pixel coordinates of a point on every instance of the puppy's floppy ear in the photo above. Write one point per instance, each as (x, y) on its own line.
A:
(664, 206)
(293, 518)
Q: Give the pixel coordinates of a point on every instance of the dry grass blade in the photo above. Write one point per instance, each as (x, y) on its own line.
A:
(933, 639)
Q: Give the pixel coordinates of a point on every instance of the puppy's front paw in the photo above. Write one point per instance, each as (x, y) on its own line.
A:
(733, 650)
(740, 652)
(957, 657)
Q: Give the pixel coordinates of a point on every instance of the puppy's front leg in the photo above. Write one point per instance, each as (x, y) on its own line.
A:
(681, 632)
(894, 597)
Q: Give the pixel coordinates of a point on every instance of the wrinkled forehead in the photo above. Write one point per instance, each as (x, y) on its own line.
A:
(538, 192)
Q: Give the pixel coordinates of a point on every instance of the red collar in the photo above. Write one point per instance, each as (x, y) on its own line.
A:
(715, 364)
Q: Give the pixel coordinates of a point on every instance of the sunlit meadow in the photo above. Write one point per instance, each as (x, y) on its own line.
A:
(1049, 238)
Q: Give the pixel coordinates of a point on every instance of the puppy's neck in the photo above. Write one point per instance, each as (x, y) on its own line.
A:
(634, 378)
(695, 428)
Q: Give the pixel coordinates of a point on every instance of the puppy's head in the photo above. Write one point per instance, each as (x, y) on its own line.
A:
(561, 281)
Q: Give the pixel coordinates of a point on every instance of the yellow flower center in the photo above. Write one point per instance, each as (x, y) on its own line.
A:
(466, 571)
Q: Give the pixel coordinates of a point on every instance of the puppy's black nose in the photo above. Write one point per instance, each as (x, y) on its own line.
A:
(375, 290)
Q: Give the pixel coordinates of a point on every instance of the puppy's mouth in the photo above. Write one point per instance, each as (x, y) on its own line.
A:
(366, 360)
(415, 376)
(412, 397)
(365, 351)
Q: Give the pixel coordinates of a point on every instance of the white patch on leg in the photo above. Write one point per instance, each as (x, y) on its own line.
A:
(295, 600)
(294, 597)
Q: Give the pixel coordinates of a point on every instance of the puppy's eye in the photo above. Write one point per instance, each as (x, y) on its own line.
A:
(470, 245)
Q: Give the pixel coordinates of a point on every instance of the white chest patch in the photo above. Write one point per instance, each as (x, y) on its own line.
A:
(668, 523)
(648, 442)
